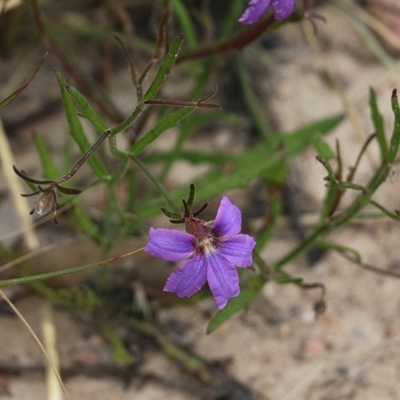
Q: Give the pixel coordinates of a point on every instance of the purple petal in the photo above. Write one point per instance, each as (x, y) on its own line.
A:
(238, 250)
(282, 8)
(223, 279)
(228, 221)
(254, 11)
(170, 244)
(188, 279)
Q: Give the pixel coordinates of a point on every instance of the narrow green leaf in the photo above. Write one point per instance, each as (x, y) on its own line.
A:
(11, 97)
(185, 22)
(77, 298)
(377, 120)
(395, 140)
(340, 248)
(324, 150)
(283, 278)
(14, 95)
(373, 43)
(329, 202)
(77, 132)
(249, 97)
(50, 169)
(385, 211)
(119, 351)
(86, 110)
(333, 193)
(165, 68)
(230, 21)
(165, 123)
(85, 223)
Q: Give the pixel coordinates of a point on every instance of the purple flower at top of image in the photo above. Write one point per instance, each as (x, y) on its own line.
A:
(212, 253)
(282, 9)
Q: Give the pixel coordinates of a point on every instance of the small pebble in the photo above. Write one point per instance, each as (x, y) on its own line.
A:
(314, 347)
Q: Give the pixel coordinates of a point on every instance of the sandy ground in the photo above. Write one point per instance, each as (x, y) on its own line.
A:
(277, 347)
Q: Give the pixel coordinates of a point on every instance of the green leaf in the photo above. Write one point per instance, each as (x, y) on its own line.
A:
(249, 97)
(77, 132)
(235, 304)
(340, 248)
(15, 94)
(86, 110)
(165, 68)
(385, 211)
(185, 22)
(283, 278)
(230, 21)
(11, 97)
(333, 193)
(165, 123)
(395, 139)
(119, 351)
(78, 298)
(323, 149)
(50, 169)
(277, 173)
(85, 223)
(373, 43)
(377, 120)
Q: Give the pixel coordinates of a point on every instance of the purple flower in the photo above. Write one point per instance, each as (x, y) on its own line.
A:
(282, 9)
(212, 252)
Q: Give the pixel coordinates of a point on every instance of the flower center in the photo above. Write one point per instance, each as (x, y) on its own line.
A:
(206, 241)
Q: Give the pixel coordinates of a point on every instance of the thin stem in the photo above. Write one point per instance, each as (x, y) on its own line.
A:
(234, 43)
(130, 120)
(385, 210)
(156, 183)
(339, 172)
(161, 39)
(369, 267)
(352, 171)
(25, 177)
(201, 103)
(78, 165)
(250, 99)
(304, 245)
(187, 104)
(132, 68)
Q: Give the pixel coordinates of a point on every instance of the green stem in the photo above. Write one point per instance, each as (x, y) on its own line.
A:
(156, 183)
(252, 103)
(304, 245)
(163, 72)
